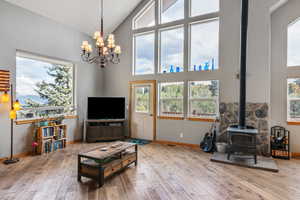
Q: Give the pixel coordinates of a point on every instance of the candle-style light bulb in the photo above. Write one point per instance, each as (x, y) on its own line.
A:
(5, 97)
(118, 49)
(17, 105)
(12, 114)
(97, 34)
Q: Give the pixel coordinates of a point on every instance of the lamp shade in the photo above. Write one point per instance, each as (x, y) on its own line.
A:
(5, 98)
(12, 114)
(17, 105)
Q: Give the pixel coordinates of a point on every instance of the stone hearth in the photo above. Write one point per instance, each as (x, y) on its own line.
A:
(256, 116)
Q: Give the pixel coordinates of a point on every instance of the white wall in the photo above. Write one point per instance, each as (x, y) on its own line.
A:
(280, 20)
(258, 83)
(23, 30)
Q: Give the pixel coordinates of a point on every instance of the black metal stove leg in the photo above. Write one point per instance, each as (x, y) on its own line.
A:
(255, 159)
(228, 156)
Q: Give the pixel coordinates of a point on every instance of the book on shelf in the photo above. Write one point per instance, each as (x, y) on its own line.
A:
(58, 145)
(48, 131)
(48, 146)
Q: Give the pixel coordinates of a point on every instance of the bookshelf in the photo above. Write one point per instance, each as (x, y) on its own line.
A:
(51, 138)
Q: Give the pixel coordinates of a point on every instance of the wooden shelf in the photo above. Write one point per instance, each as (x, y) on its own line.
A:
(30, 121)
(48, 143)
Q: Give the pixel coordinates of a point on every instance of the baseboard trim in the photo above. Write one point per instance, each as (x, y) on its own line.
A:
(74, 141)
(194, 146)
(295, 155)
(25, 154)
(18, 155)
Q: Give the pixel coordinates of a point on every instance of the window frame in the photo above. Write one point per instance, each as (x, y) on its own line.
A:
(190, 10)
(51, 60)
(142, 12)
(159, 2)
(185, 22)
(287, 45)
(134, 53)
(135, 100)
(289, 119)
(162, 116)
(190, 43)
(160, 49)
(216, 99)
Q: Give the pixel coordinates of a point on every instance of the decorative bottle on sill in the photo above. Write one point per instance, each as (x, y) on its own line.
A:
(171, 69)
(213, 64)
(195, 68)
(206, 67)
(177, 69)
(200, 68)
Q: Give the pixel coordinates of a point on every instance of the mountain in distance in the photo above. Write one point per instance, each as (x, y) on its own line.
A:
(35, 98)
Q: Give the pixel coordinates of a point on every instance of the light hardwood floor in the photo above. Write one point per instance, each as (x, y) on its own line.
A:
(163, 172)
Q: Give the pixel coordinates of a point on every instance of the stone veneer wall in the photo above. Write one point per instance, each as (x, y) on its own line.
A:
(256, 116)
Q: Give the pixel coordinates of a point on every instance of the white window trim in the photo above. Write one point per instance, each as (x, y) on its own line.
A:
(134, 52)
(160, 2)
(183, 22)
(216, 99)
(190, 42)
(190, 10)
(159, 46)
(25, 54)
(170, 98)
(142, 12)
(287, 45)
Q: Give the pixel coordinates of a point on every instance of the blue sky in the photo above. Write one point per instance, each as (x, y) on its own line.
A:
(29, 73)
(204, 40)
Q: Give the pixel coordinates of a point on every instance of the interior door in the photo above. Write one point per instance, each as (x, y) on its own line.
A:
(142, 111)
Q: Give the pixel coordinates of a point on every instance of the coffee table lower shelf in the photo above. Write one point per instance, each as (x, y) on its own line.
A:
(89, 168)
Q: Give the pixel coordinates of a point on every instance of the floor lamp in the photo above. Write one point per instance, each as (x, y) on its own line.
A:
(15, 106)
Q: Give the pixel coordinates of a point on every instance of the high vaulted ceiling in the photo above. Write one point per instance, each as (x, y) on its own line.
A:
(82, 15)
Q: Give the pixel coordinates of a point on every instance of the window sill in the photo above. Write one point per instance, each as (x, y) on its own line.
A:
(201, 119)
(293, 123)
(170, 118)
(30, 121)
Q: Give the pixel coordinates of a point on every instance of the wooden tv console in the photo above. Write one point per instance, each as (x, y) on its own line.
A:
(103, 130)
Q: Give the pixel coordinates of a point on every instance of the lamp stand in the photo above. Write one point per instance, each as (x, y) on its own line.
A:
(11, 160)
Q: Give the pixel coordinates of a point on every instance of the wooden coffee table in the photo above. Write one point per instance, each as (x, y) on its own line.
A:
(106, 160)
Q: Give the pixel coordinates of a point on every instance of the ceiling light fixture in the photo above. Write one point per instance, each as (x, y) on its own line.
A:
(107, 51)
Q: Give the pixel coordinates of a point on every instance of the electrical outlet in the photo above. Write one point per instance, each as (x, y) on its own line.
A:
(181, 135)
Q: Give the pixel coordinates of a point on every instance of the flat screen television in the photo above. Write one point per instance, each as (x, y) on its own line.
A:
(106, 108)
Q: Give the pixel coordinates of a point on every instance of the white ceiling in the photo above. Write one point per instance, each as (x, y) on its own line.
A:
(82, 15)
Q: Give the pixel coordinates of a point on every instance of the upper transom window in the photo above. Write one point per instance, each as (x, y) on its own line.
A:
(293, 57)
(202, 7)
(171, 10)
(146, 17)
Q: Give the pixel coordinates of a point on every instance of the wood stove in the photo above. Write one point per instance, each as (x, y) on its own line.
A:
(242, 138)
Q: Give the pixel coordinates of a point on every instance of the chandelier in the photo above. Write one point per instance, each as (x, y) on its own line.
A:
(106, 49)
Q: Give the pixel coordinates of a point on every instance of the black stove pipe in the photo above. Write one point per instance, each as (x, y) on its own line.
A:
(244, 33)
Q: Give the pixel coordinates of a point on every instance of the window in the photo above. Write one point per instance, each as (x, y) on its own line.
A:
(171, 99)
(144, 53)
(204, 52)
(203, 99)
(171, 50)
(293, 57)
(201, 7)
(142, 99)
(44, 86)
(293, 99)
(171, 10)
(146, 17)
